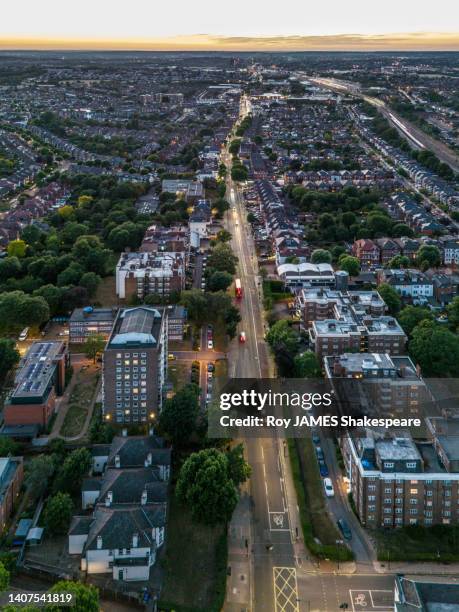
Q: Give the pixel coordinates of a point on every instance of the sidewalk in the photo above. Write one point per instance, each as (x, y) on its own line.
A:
(239, 582)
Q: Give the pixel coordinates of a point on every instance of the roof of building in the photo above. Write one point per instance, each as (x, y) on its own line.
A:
(136, 326)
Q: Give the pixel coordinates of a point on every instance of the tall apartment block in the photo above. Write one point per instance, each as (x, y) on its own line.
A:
(134, 366)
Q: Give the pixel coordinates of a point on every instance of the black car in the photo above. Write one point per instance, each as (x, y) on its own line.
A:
(344, 528)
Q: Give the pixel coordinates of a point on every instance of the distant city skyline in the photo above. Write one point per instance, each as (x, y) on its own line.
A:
(255, 25)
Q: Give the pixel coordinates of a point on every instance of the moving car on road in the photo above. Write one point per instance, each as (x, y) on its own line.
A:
(242, 337)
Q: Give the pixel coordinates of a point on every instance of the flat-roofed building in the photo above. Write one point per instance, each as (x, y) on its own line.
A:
(321, 303)
(88, 321)
(39, 379)
(398, 481)
(134, 366)
(391, 385)
(141, 274)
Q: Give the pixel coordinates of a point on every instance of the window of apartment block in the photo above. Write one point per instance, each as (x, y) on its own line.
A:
(387, 500)
(413, 491)
(388, 490)
(388, 464)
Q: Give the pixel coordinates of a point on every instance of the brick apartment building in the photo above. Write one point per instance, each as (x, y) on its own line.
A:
(143, 274)
(40, 378)
(321, 303)
(395, 481)
(134, 365)
(11, 477)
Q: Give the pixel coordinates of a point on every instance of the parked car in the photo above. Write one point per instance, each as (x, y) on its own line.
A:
(344, 528)
(210, 367)
(210, 344)
(23, 335)
(319, 453)
(316, 439)
(328, 486)
(323, 468)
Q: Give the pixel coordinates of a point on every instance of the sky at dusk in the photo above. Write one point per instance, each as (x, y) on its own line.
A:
(241, 24)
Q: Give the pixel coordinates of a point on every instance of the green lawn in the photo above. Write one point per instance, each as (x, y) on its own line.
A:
(179, 374)
(80, 402)
(195, 564)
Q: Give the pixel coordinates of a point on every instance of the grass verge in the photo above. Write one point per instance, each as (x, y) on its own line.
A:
(195, 564)
(319, 532)
(439, 543)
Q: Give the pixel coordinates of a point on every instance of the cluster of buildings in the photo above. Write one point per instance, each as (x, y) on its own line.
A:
(26, 166)
(124, 502)
(45, 200)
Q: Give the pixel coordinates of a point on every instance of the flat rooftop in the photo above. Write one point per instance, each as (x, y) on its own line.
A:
(37, 370)
(79, 315)
(136, 327)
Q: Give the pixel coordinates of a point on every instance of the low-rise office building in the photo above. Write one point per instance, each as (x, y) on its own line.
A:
(89, 321)
(40, 378)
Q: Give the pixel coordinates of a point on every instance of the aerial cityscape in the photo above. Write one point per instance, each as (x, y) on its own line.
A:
(197, 232)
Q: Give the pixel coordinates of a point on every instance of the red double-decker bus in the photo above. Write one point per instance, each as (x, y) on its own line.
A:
(238, 288)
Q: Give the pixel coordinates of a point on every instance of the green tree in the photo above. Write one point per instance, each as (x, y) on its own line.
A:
(196, 304)
(4, 578)
(52, 295)
(18, 309)
(39, 473)
(8, 447)
(435, 349)
(391, 298)
(349, 264)
(222, 258)
(86, 596)
(219, 281)
(179, 415)
(90, 280)
(306, 365)
(379, 224)
(453, 314)
(10, 267)
(71, 473)
(399, 262)
(93, 346)
(319, 256)
(204, 485)
(9, 356)
(58, 513)
(428, 256)
(239, 173)
(238, 469)
(17, 248)
(411, 316)
(223, 236)
(281, 335)
(71, 275)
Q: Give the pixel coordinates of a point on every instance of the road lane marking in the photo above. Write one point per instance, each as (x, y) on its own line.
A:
(285, 589)
(364, 599)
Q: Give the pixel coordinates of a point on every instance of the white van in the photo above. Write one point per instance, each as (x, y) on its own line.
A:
(328, 486)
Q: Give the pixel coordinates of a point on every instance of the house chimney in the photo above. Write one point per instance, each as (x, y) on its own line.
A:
(135, 540)
(99, 542)
(144, 498)
(109, 499)
(117, 461)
